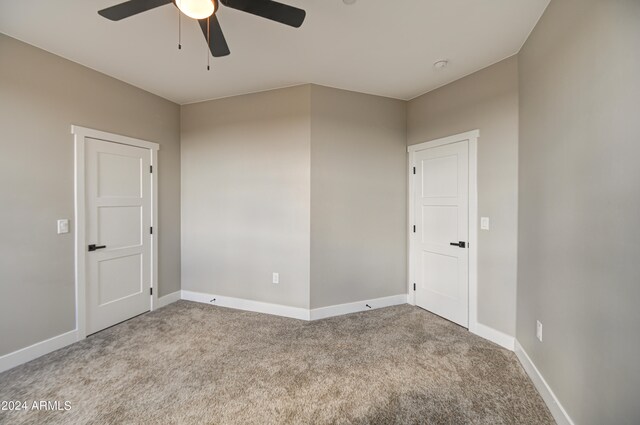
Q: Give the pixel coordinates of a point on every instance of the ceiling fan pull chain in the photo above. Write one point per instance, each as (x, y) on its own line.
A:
(208, 43)
(179, 30)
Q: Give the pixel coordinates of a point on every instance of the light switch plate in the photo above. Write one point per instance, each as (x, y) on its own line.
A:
(276, 278)
(63, 226)
(484, 223)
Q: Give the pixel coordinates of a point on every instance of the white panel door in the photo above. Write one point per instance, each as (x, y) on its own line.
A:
(440, 254)
(118, 211)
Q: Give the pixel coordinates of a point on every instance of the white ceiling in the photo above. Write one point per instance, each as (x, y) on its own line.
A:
(380, 47)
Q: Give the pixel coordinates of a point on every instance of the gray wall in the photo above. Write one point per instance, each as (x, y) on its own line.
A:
(306, 181)
(486, 100)
(358, 197)
(41, 95)
(245, 196)
(579, 232)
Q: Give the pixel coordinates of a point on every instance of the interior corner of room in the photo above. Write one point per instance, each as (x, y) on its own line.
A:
(310, 202)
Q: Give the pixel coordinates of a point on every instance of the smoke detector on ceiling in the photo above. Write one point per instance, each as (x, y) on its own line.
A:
(441, 64)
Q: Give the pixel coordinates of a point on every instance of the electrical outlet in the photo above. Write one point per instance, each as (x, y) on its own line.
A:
(539, 330)
(484, 223)
(276, 278)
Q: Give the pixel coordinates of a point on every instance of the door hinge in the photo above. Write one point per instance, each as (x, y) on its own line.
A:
(414, 228)
(151, 168)
(150, 291)
(414, 170)
(414, 286)
(151, 230)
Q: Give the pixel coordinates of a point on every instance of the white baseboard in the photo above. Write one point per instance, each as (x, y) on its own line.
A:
(494, 335)
(293, 312)
(557, 411)
(247, 305)
(341, 309)
(169, 298)
(23, 355)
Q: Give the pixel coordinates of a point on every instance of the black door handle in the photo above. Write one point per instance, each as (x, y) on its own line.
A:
(460, 244)
(93, 247)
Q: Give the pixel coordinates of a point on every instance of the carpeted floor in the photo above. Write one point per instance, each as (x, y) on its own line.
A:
(191, 363)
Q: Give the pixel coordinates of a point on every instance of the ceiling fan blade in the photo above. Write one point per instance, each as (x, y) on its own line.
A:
(130, 8)
(217, 42)
(269, 9)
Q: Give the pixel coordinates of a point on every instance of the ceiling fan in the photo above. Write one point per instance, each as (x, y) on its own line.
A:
(204, 12)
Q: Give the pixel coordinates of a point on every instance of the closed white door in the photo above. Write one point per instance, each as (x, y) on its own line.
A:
(118, 213)
(440, 254)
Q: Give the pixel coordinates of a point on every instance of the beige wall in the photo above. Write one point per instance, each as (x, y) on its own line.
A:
(579, 232)
(41, 96)
(283, 181)
(488, 101)
(245, 196)
(358, 197)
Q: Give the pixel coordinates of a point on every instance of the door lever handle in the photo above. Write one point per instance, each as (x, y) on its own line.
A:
(94, 247)
(460, 244)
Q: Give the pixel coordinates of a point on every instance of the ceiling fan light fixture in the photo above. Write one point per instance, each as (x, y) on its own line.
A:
(196, 9)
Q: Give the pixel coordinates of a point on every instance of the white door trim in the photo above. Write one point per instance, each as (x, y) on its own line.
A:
(472, 137)
(80, 134)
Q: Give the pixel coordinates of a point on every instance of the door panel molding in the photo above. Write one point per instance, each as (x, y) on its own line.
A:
(472, 138)
(81, 134)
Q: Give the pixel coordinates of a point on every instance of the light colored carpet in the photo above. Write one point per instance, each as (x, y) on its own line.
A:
(191, 363)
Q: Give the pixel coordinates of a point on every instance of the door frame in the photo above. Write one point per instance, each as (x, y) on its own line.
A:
(472, 137)
(80, 134)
